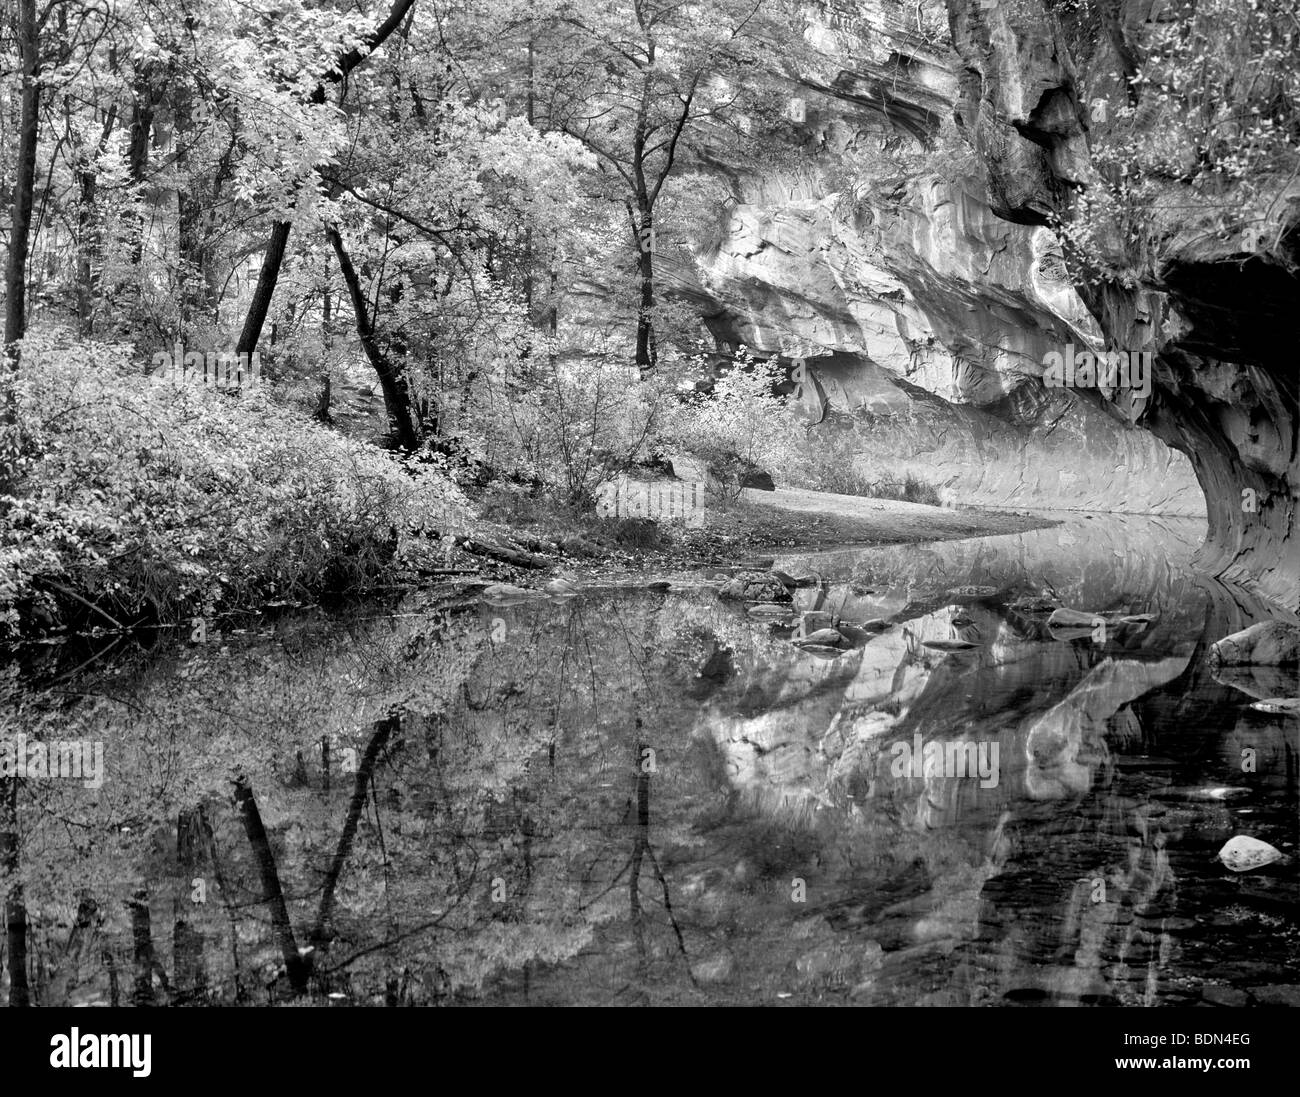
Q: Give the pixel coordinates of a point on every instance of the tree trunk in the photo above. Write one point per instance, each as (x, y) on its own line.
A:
(322, 413)
(266, 279)
(643, 226)
(397, 398)
(645, 336)
(270, 272)
(24, 185)
(138, 149)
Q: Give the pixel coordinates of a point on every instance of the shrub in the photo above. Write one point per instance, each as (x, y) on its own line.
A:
(738, 428)
(567, 423)
(149, 499)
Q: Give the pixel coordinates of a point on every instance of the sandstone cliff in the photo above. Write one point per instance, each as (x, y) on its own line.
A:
(914, 261)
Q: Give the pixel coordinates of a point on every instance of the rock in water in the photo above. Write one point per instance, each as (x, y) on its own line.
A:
(769, 609)
(503, 593)
(755, 586)
(1244, 853)
(854, 635)
(1269, 643)
(1287, 706)
(1189, 792)
(563, 588)
(1073, 617)
(827, 636)
(949, 645)
(970, 592)
(822, 651)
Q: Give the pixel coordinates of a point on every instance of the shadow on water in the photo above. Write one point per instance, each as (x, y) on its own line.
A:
(633, 797)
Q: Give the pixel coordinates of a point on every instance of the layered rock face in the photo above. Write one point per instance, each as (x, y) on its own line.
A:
(927, 293)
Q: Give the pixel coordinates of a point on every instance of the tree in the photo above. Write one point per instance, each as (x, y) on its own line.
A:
(273, 257)
(643, 85)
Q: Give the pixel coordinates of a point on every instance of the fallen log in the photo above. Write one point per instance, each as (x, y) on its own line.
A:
(517, 557)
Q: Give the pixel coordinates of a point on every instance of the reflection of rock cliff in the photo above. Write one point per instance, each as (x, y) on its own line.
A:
(1065, 745)
(950, 285)
(998, 905)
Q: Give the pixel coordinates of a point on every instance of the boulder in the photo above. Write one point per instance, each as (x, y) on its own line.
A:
(1269, 644)
(754, 586)
(1243, 853)
(1066, 617)
(1284, 706)
(827, 637)
(501, 594)
(759, 480)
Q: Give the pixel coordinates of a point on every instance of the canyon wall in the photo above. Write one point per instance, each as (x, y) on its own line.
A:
(924, 287)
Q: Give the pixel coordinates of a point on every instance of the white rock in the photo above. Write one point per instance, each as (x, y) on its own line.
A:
(502, 593)
(1244, 853)
(1287, 706)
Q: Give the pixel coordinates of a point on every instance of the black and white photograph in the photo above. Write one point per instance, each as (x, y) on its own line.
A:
(649, 503)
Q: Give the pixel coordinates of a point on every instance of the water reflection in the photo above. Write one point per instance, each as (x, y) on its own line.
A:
(655, 797)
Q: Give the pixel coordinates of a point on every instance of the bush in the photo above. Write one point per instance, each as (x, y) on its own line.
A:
(568, 424)
(830, 463)
(909, 489)
(739, 428)
(149, 499)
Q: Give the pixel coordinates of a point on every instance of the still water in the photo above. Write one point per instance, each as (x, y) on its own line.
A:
(634, 796)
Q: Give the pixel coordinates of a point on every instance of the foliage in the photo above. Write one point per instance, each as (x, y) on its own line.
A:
(1206, 145)
(741, 427)
(144, 496)
(568, 423)
(830, 462)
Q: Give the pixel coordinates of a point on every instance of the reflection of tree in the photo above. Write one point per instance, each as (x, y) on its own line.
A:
(475, 763)
(641, 851)
(364, 781)
(146, 962)
(295, 965)
(15, 910)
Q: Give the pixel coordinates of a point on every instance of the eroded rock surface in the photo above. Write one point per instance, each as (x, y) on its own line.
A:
(925, 306)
